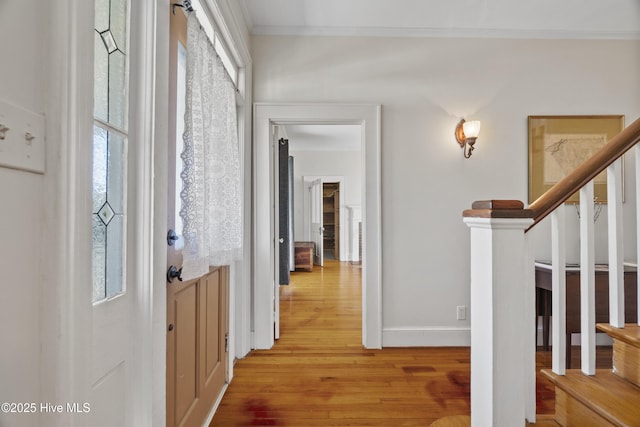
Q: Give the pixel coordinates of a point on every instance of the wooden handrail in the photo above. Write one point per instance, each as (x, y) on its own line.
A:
(601, 160)
(565, 188)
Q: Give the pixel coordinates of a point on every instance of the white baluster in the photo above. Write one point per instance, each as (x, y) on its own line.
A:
(530, 333)
(616, 256)
(559, 291)
(587, 281)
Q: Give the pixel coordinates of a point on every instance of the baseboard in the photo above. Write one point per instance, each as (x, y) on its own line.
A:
(426, 337)
(453, 337)
(601, 337)
(215, 406)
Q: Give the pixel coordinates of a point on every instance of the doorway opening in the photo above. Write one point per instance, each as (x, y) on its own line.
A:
(331, 220)
(266, 116)
(322, 206)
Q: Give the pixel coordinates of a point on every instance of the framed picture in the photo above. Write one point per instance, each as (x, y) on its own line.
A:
(558, 144)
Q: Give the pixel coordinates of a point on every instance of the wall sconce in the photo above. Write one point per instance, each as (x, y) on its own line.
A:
(466, 135)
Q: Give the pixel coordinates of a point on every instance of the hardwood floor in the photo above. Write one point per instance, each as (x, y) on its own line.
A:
(318, 373)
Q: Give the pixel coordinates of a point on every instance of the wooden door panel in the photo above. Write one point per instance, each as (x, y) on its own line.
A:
(182, 349)
(214, 331)
(186, 377)
(196, 353)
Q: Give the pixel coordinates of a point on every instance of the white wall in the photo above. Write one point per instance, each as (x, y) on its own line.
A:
(425, 86)
(327, 163)
(21, 194)
(44, 303)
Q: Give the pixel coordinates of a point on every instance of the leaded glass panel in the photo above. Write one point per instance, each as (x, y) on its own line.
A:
(116, 167)
(117, 89)
(118, 24)
(102, 15)
(99, 259)
(109, 41)
(115, 234)
(110, 64)
(111, 77)
(109, 150)
(101, 79)
(99, 168)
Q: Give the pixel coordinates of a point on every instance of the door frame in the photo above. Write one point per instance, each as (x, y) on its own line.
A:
(265, 116)
(306, 209)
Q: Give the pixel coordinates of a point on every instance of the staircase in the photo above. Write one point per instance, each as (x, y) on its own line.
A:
(503, 389)
(608, 398)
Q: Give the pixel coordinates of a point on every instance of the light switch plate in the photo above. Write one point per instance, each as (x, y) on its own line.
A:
(22, 144)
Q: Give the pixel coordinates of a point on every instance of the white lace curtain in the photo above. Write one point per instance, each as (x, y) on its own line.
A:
(212, 195)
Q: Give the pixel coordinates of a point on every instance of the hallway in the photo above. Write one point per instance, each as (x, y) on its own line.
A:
(318, 374)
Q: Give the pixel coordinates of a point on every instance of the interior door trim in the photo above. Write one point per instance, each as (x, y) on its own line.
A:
(265, 116)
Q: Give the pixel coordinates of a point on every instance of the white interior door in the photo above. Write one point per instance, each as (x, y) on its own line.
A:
(118, 197)
(112, 366)
(317, 228)
(276, 230)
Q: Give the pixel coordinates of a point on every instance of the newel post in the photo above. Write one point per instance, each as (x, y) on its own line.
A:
(499, 312)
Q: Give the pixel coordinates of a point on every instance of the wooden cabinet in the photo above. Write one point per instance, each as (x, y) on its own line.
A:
(304, 255)
(331, 218)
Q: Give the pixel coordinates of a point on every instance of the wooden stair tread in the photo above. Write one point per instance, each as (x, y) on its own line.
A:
(453, 421)
(630, 334)
(545, 420)
(608, 395)
(465, 421)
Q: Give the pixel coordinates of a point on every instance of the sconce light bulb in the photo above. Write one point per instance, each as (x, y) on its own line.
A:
(471, 129)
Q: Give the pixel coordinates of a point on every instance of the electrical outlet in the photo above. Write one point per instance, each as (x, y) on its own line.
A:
(461, 312)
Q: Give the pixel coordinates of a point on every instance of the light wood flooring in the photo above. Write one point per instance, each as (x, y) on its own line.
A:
(318, 373)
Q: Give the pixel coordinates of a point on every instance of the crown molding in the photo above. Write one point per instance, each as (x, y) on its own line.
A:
(498, 33)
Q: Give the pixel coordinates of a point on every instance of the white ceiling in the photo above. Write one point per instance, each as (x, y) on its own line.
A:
(605, 19)
(323, 137)
(564, 19)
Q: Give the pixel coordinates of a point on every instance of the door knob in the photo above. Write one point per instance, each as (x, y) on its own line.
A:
(174, 273)
(172, 237)
(281, 240)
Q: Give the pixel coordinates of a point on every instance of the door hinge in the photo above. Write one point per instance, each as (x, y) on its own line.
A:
(226, 342)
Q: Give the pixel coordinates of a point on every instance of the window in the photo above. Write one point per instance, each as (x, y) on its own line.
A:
(180, 110)
(219, 45)
(110, 139)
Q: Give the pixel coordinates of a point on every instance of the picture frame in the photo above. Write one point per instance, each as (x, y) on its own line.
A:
(558, 144)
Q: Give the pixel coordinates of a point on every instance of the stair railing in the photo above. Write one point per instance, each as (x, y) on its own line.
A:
(503, 340)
